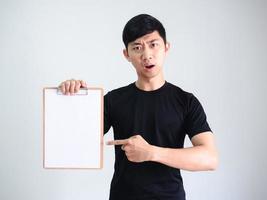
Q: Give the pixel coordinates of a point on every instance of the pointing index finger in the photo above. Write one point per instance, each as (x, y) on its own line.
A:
(117, 142)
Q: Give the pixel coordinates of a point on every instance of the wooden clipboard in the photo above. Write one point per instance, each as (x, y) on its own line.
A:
(73, 129)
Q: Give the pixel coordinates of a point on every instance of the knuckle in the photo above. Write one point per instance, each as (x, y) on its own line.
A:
(83, 83)
(130, 141)
(135, 136)
(78, 85)
(72, 82)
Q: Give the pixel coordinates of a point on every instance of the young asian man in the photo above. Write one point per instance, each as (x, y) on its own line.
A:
(150, 119)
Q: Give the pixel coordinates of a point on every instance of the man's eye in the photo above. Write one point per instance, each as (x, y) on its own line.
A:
(154, 44)
(137, 48)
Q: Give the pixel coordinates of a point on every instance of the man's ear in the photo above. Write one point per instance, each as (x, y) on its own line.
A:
(167, 47)
(126, 55)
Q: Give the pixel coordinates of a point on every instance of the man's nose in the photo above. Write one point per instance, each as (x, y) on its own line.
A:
(147, 54)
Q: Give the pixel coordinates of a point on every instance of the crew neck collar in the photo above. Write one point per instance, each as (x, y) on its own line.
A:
(151, 91)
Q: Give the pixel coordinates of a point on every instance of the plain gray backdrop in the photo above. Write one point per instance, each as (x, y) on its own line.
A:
(218, 52)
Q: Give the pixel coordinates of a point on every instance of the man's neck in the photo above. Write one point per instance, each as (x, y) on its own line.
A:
(150, 84)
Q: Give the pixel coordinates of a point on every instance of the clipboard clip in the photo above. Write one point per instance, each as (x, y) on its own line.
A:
(82, 91)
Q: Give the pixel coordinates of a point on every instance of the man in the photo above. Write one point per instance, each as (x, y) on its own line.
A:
(150, 119)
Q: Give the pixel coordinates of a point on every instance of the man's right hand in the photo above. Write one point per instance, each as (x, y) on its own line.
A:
(69, 87)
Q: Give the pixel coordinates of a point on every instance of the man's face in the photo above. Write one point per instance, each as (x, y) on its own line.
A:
(147, 54)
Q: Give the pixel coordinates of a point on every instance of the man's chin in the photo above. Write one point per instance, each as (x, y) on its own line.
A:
(149, 75)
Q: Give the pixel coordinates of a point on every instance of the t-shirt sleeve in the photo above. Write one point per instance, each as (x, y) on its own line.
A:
(195, 120)
(107, 120)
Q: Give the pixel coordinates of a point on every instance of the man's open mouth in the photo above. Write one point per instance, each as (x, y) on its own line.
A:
(149, 66)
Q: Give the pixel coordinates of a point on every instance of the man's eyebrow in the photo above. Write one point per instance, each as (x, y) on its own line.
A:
(135, 43)
(153, 40)
(139, 43)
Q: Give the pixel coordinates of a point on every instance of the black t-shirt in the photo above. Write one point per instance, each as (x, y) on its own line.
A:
(162, 117)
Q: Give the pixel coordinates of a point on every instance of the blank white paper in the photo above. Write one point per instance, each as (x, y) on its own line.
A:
(73, 129)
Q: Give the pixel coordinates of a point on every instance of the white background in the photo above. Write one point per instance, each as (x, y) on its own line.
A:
(218, 52)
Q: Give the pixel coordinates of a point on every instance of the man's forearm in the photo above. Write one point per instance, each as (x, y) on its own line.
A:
(196, 158)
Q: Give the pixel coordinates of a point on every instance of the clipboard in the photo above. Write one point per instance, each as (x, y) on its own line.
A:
(73, 129)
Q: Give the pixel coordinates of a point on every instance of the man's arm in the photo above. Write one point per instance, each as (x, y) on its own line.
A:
(202, 156)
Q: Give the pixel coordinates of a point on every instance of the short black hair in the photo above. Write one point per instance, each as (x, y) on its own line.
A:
(141, 25)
